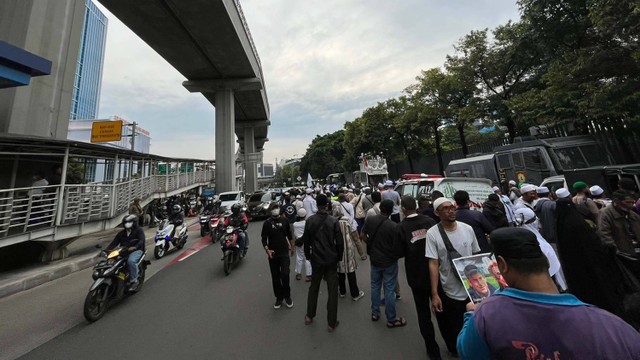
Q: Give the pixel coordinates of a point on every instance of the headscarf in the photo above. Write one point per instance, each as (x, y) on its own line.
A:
(527, 219)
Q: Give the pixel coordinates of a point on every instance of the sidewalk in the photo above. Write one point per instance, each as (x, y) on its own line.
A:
(83, 254)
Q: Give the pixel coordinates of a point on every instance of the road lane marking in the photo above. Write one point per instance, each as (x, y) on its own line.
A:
(201, 244)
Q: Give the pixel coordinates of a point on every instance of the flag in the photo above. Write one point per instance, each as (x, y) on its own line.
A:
(309, 181)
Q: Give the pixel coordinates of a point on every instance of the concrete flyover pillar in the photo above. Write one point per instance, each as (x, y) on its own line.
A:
(250, 164)
(225, 141)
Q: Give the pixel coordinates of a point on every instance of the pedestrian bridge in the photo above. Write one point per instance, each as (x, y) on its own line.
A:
(90, 187)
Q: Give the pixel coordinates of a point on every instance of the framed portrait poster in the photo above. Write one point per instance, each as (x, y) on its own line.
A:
(479, 275)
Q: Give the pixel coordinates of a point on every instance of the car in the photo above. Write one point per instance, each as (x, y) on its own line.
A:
(555, 182)
(258, 204)
(229, 198)
(479, 189)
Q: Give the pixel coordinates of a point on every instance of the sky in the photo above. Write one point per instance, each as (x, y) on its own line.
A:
(324, 63)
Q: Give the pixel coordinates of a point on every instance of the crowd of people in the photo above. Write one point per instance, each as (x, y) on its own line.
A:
(563, 262)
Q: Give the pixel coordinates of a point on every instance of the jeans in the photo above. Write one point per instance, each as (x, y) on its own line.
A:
(300, 259)
(279, 265)
(243, 240)
(132, 263)
(331, 277)
(387, 277)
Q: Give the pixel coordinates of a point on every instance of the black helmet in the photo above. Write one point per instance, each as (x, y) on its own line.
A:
(235, 208)
(176, 208)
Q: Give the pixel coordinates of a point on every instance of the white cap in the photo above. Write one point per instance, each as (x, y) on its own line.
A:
(495, 188)
(542, 190)
(512, 182)
(302, 213)
(563, 193)
(380, 185)
(388, 183)
(298, 197)
(528, 188)
(440, 201)
(596, 190)
(309, 190)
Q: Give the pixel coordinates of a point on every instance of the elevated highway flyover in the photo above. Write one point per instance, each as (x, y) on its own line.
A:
(208, 41)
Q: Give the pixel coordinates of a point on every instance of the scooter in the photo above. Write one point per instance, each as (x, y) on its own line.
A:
(164, 240)
(213, 225)
(205, 224)
(230, 247)
(110, 282)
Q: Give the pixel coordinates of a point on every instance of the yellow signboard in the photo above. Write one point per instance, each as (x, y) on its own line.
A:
(105, 131)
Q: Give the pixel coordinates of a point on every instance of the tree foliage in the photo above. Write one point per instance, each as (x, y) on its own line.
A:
(563, 61)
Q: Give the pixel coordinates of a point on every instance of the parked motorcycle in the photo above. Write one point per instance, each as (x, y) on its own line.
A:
(230, 247)
(111, 283)
(164, 240)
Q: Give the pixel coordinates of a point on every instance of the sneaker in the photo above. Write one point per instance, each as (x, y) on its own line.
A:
(308, 279)
(298, 276)
(278, 304)
(360, 296)
(398, 297)
(288, 302)
(343, 295)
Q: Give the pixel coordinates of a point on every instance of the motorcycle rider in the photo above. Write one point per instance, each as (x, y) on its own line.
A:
(239, 220)
(132, 238)
(176, 218)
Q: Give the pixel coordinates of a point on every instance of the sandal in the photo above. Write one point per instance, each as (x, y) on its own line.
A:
(307, 320)
(375, 317)
(298, 276)
(399, 322)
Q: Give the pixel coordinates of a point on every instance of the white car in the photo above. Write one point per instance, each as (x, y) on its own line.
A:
(231, 197)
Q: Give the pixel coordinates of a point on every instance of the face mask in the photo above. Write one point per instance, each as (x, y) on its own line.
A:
(275, 212)
(128, 225)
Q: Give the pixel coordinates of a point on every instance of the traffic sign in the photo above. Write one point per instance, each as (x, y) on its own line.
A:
(105, 131)
(299, 178)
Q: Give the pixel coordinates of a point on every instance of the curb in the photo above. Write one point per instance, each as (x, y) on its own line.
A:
(29, 282)
(65, 268)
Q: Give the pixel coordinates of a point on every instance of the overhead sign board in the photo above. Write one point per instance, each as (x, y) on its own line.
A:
(105, 131)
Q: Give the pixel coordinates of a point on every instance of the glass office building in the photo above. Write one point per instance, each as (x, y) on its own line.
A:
(86, 87)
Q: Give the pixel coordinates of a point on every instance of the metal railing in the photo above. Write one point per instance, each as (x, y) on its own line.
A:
(246, 30)
(26, 209)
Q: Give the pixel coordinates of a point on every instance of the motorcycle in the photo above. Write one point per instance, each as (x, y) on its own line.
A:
(163, 238)
(230, 247)
(213, 225)
(205, 224)
(110, 283)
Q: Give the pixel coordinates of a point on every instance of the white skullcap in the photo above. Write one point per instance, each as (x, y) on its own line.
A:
(495, 188)
(563, 193)
(542, 190)
(528, 188)
(302, 213)
(512, 182)
(309, 190)
(388, 183)
(596, 190)
(440, 201)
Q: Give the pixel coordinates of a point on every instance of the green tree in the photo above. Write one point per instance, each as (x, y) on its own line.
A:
(324, 155)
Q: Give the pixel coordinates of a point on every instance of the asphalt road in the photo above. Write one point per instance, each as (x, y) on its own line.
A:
(191, 310)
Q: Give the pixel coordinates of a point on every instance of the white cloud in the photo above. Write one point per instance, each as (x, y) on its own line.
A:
(324, 61)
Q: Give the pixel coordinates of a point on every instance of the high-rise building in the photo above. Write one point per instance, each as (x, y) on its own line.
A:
(86, 87)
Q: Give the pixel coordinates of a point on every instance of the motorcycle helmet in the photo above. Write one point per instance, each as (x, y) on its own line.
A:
(235, 208)
(176, 209)
(132, 219)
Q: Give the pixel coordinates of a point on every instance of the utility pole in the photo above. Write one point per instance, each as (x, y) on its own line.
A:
(133, 135)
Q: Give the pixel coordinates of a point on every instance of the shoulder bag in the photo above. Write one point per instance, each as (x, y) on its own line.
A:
(451, 251)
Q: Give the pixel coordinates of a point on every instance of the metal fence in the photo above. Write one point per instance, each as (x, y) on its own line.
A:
(27, 209)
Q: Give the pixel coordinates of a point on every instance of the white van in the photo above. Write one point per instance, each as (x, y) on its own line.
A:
(478, 189)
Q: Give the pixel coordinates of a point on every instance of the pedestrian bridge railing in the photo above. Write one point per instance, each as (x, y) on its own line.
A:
(36, 213)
